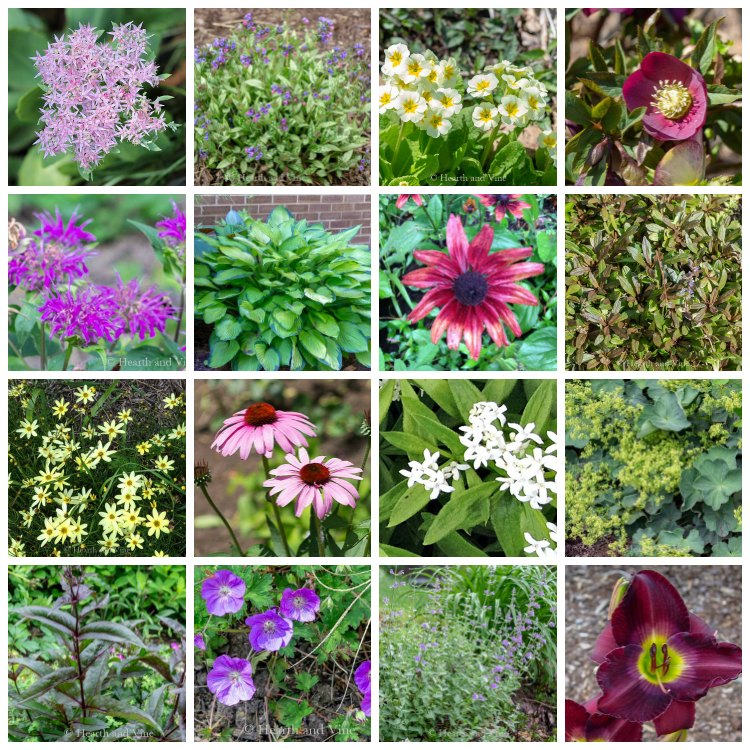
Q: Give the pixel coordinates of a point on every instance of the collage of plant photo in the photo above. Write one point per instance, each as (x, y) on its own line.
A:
(373, 374)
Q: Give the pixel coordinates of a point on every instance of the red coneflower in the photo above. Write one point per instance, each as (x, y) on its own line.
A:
(472, 287)
(403, 199)
(503, 204)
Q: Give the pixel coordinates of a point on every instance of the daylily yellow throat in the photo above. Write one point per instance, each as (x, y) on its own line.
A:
(660, 664)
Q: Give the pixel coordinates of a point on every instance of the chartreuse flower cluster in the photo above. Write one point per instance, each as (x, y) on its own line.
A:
(656, 660)
(90, 476)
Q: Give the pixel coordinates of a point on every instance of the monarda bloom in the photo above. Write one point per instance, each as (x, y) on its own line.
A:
(269, 631)
(231, 680)
(172, 229)
(583, 723)
(87, 314)
(472, 287)
(662, 658)
(260, 427)
(674, 95)
(504, 204)
(301, 605)
(224, 593)
(143, 312)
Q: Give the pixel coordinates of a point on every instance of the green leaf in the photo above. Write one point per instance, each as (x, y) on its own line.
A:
(540, 409)
(228, 328)
(306, 681)
(465, 394)
(718, 482)
(27, 109)
(222, 353)
(46, 683)
(285, 319)
(464, 510)
(122, 710)
(36, 171)
(386, 550)
(538, 351)
(350, 338)
(440, 392)
(511, 519)
(705, 48)
(666, 413)
(56, 619)
(498, 390)
(291, 712)
(576, 109)
(110, 631)
(319, 296)
(312, 343)
(412, 444)
(546, 246)
(409, 504)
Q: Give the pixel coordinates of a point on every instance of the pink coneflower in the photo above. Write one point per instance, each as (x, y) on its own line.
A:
(314, 481)
(504, 204)
(472, 287)
(402, 200)
(259, 428)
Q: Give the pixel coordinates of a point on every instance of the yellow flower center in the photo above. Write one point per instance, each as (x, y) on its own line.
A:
(483, 85)
(410, 106)
(672, 99)
(396, 58)
(385, 98)
(658, 663)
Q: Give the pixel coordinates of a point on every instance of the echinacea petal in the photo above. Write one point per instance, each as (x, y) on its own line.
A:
(480, 246)
(458, 244)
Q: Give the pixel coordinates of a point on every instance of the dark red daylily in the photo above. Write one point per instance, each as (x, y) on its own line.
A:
(403, 199)
(504, 204)
(472, 287)
(674, 94)
(656, 659)
(583, 723)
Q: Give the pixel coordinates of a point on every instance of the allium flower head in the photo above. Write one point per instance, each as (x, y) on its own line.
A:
(503, 204)
(260, 427)
(231, 680)
(674, 94)
(301, 605)
(92, 93)
(58, 255)
(472, 287)
(269, 631)
(314, 481)
(172, 229)
(224, 593)
(143, 313)
(88, 313)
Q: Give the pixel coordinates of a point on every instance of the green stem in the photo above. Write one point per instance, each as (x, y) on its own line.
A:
(180, 314)
(43, 345)
(398, 143)
(350, 527)
(68, 352)
(319, 533)
(276, 512)
(223, 520)
(429, 218)
(490, 144)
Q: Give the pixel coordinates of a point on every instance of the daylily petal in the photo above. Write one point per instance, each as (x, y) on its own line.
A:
(576, 717)
(680, 715)
(604, 644)
(603, 728)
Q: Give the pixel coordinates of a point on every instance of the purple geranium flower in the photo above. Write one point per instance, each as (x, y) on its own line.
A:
(269, 631)
(362, 681)
(301, 605)
(199, 642)
(143, 313)
(89, 314)
(224, 593)
(173, 229)
(231, 681)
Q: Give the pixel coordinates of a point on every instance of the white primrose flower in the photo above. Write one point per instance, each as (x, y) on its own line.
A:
(485, 116)
(417, 66)
(410, 106)
(535, 102)
(436, 124)
(387, 97)
(448, 101)
(396, 59)
(482, 85)
(548, 139)
(516, 84)
(512, 110)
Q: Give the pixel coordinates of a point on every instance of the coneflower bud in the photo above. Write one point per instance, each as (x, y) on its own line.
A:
(202, 474)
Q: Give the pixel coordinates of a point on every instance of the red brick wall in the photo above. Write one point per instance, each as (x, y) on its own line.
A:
(335, 212)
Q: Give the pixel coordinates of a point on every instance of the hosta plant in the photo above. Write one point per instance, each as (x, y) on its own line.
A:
(275, 105)
(655, 660)
(441, 124)
(99, 674)
(653, 282)
(468, 468)
(267, 642)
(654, 467)
(282, 294)
(655, 103)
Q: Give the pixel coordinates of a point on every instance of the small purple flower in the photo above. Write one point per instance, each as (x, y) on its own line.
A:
(224, 593)
(173, 229)
(142, 312)
(301, 605)
(362, 681)
(231, 681)
(88, 314)
(56, 230)
(269, 631)
(199, 642)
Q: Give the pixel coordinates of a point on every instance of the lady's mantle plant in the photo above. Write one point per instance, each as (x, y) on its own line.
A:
(274, 105)
(282, 294)
(656, 660)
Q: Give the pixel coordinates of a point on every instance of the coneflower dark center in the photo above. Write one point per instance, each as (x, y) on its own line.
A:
(470, 288)
(314, 474)
(256, 415)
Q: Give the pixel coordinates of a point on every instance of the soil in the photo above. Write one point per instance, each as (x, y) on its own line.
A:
(351, 25)
(601, 548)
(213, 403)
(713, 592)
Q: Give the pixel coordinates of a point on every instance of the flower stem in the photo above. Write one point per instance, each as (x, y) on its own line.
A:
(180, 314)
(223, 520)
(490, 144)
(350, 527)
(43, 346)
(68, 352)
(319, 533)
(398, 144)
(429, 218)
(277, 514)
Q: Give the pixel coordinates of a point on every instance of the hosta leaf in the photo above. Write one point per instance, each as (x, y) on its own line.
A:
(222, 352)
(313, 344)
(228, 328)
(214, 312)
(464, 510)
(285, 319)
(351, 338)
(323, 295)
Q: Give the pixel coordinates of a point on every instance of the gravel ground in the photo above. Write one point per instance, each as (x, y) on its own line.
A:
(713, 592)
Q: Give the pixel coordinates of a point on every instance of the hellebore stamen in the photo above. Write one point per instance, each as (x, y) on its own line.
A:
(672, 99)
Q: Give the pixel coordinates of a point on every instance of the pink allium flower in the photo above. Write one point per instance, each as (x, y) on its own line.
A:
(92, 93)
(301, 605)
(403, 199)
(269, 631)
(473, 288)
(172, 229)
(231, 680)
(224, 593)
(314, 481)
(89, 314)
(143, 313)
(674, 94)
(504, 204)
(260, 427)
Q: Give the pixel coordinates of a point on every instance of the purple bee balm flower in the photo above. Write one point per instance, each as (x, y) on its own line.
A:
(56, 230)
(674, 95)
(143, 313)
(231, 681)
(301, 605)
(172, 229)
(269, 631)
(199, 642)
(224, 593)
(89, 314)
